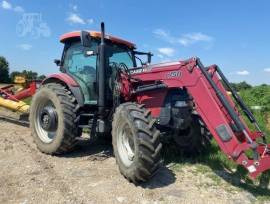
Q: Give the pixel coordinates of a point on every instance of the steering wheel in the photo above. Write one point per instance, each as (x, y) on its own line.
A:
(124, 67)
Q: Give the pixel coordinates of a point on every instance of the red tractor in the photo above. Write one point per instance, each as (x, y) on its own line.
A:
(101, 87)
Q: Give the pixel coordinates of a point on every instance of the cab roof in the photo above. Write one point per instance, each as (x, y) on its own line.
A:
(95, 34)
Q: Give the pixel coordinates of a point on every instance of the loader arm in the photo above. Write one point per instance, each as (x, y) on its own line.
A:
(216, 108)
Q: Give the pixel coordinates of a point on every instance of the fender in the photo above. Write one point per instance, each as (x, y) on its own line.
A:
(68, 81)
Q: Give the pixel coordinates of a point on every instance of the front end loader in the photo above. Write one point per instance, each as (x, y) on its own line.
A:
(106, 87)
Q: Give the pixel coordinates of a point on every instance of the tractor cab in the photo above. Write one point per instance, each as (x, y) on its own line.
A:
(81, 60)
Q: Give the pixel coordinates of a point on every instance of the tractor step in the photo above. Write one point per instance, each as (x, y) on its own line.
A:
(85, 126)
(85, 116)
(85, 120)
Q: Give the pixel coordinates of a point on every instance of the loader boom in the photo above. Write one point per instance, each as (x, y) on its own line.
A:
(214, 105)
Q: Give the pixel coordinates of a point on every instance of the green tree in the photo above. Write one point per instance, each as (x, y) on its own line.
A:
(241, 86)
(4, 70)
(13, 75)
(41, 77)
(30, 75)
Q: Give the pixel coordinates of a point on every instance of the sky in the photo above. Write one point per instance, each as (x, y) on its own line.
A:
(234, 34)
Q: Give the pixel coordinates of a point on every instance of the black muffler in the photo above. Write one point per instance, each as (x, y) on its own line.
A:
(102, 73)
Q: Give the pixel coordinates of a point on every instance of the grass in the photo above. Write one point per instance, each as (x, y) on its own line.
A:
(27, 100)
(214, 164)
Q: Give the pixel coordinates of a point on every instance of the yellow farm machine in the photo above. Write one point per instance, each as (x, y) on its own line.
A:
(12, 98)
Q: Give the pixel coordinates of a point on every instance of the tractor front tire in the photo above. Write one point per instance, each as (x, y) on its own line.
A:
(52, 119)
(136, 142)
(194, 139)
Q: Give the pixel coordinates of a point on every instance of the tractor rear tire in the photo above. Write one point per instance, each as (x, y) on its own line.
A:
(136, 142)
(60, 105)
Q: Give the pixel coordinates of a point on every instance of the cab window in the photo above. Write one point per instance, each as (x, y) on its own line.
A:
(77, 62)
(121, 55)
(83, 68)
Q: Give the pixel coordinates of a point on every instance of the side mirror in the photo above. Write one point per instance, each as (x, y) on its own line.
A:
(149, 57)
(85, 39)
(57, 62)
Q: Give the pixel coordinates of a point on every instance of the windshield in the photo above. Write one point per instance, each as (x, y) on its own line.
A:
(121, 55)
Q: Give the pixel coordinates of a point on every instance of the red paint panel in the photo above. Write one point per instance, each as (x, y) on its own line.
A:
(153, 100)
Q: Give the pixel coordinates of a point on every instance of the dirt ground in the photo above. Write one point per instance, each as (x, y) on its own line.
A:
(90, 175)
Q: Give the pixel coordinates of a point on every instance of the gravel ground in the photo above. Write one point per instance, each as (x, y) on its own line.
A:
(90, 175)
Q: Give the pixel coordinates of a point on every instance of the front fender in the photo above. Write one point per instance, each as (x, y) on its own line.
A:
(68, 81)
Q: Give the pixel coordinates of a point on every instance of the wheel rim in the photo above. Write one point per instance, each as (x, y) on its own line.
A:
(46, 121)
(125, 144)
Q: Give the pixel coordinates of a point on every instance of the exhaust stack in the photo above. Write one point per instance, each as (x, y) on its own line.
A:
(102, 72)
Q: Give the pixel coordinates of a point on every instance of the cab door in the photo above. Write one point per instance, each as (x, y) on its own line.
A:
(82, 66)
